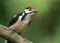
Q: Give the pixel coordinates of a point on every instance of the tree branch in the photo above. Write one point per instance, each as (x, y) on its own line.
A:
(13, 37)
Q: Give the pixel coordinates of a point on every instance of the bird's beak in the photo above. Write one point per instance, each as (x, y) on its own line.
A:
(35, 11)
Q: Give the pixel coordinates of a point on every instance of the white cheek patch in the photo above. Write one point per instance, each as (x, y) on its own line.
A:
(27, 11)
(20, 17)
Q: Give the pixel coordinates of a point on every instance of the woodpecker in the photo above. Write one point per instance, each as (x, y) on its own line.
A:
(20, 22)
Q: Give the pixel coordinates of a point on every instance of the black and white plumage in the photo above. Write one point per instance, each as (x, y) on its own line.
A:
(14, 19)
(20, 22)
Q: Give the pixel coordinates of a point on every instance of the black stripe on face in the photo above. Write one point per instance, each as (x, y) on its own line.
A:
(24, 16)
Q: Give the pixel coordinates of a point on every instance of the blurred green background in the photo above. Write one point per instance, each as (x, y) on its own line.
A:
(45, 25)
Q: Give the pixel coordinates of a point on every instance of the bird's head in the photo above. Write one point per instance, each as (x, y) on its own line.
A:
(30, 10)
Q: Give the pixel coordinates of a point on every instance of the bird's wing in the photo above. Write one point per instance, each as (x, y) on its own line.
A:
(14, 19)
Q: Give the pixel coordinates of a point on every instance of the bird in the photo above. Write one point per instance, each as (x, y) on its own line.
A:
(21, 21)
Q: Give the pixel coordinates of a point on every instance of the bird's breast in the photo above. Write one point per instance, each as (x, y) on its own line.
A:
(19, 27)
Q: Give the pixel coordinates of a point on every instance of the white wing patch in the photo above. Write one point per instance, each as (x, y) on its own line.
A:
(15, 15)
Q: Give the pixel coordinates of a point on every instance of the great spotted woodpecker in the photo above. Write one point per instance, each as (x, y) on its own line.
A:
(20, 22)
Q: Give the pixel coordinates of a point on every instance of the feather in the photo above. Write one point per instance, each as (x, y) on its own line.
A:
(14, 19)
